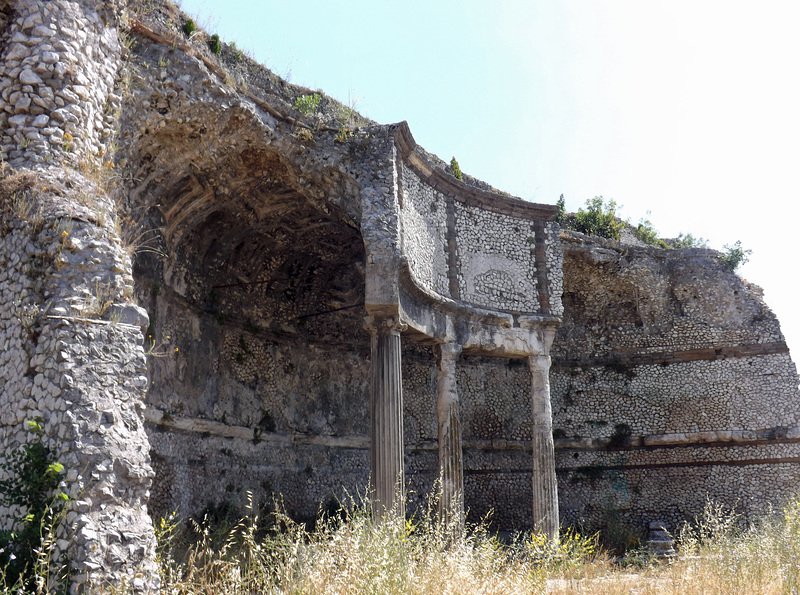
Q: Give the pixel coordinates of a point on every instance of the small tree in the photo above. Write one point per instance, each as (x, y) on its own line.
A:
(734, 256)
(562, 209)
(189, 27)
(599, 219)
(646, 232)
(689, 241)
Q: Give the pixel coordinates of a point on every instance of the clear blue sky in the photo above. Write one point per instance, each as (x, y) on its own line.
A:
(687, 109)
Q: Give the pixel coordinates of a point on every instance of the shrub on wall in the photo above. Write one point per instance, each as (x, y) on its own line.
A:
(307, 104)
(646, 232)
(455, 170)
(599, 219)
(734, 256)
(689, 241)
(562, 209)
(31, 484)
(215, 44)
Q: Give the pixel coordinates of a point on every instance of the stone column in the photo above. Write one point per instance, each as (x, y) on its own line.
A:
(451, 466)
(386, 402)
(545, 493)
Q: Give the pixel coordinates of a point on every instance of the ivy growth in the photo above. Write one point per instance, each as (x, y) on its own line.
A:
(31, 486)
(562, 209)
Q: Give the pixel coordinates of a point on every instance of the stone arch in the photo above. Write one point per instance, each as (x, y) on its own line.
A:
(259, 358)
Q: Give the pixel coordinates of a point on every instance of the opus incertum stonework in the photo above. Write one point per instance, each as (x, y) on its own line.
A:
(205, 293)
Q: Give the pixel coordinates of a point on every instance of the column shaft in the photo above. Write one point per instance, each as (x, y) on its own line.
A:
(545, 492)
(451, 466)
(386, 440)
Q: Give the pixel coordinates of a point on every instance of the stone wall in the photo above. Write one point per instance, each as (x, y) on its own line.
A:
(424, 214)
(72, 360)
(255, 240)
(72, 356)
(671, 383)
(478, 250)
(496, 271)
(60, 66)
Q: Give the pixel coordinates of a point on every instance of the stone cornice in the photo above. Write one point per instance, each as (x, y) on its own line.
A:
(634, 358)
(722, 438)
(464, 193)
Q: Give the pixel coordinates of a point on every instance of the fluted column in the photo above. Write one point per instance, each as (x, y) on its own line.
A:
(545, 492)
(386, 402)
(451, 466)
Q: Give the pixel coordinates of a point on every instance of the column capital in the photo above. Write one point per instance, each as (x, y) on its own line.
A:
(391, 324)
(540, 360)
(445, 351)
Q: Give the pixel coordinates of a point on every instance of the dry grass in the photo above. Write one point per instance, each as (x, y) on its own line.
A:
(351, 554)
(357, 555)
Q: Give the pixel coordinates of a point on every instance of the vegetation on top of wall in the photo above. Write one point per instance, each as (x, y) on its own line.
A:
(689, 241)
(562, 209)
(455, 170)
(734, 256)
(599, 218)
(189, 27)
(215, 45)
(307, 104)
(648, 234)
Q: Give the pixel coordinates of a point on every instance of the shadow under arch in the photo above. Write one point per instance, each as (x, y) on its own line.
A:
(259, 374)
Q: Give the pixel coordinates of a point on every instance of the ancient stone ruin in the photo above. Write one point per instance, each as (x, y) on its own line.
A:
(210, 293)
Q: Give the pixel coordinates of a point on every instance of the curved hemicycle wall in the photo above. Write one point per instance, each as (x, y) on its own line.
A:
(262, 238)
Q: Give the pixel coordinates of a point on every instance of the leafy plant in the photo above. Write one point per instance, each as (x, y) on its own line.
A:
(237, 53)
(308, 104)
(599, 219)
(215, 44)
(648, 234)
(734, 256)
(342, 136)
(562, 209)
(455, 170)
(189, 27)
(31, 486)
(689, 241)
(304, 135)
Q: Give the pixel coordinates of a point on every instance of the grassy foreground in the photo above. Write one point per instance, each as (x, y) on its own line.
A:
(353, 554)
(350, 553)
